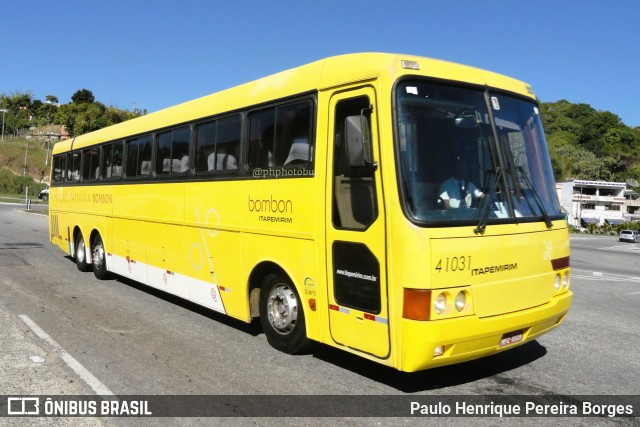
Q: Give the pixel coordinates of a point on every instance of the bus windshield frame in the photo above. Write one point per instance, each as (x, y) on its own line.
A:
(468, 155)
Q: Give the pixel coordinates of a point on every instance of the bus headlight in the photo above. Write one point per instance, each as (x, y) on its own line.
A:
(461, 301)
(565, 280)
(440, 303)
(556, 282)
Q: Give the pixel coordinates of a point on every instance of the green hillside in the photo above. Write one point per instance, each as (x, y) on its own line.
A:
(14, 177)
(588, 144)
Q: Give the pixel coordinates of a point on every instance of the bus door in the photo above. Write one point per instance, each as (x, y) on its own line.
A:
(356, 276)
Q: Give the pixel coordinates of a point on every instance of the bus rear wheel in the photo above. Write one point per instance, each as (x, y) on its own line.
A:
(99, 259)
(282, 316)
(81, 255)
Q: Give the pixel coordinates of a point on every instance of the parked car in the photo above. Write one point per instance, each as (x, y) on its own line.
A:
(44, 194)
(629, 236)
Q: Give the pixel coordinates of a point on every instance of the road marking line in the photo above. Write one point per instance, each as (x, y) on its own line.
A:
(599, 275)
(86, 376)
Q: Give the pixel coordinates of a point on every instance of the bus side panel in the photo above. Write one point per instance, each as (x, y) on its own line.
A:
(297, 258)
(128, 258)
(165, 258)
(212, 248)
(132, 216)
(213, 265)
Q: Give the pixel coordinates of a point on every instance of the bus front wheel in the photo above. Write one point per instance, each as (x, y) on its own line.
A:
(282, 316)
(99, 259)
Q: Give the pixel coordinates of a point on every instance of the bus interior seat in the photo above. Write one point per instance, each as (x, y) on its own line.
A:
(114, 171)
(184, 164)
(299, 152)
(145, 167)
(174, 166)
(221, 161)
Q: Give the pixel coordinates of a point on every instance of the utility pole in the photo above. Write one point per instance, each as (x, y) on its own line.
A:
(46, 159)
(4, 111)
(26, 150)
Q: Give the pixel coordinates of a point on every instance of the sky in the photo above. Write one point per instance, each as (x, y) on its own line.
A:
(155, 54)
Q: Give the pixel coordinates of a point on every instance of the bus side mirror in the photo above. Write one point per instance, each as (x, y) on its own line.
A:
(358, 141)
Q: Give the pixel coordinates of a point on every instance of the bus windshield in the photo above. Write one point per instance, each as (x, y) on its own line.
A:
(471, 157)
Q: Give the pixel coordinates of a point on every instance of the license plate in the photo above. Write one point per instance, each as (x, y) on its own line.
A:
(511, 338)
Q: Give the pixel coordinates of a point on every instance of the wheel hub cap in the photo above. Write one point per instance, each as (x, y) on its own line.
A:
(282, 308)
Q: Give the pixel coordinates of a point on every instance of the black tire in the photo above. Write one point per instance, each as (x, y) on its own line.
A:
(282, 315)
(99, 259)
(80, 255)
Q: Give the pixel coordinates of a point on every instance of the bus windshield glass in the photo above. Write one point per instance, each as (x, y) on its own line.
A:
(471, 157)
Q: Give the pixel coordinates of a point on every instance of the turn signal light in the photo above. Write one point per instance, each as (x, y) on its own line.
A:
(416, 304)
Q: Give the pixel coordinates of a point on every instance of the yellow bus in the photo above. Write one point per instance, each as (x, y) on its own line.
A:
(397, 207)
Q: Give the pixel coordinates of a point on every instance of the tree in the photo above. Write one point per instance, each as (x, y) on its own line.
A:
(81, 118)
(115, 115)
(83, 96)
(46, 113)
(19, 114)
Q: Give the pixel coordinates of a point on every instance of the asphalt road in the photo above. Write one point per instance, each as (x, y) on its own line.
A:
(132, 340)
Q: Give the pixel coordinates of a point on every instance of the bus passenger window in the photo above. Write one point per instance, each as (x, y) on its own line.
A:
(112, 156)
(293, 134)
(180, 149)
(205, 145)
(217, 145)
(227, 144)
(139, 156)
(172, 153)
(90, 161)
(58, 168)
(73, 167)
(261, 138)
(281, 136)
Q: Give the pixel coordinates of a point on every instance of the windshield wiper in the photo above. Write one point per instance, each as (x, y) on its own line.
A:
(487, 201)
(499, 172)
(506, 174)
(515, 183)
(536, 197)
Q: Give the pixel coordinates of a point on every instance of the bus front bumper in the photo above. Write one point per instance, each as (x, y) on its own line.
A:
(429, 344)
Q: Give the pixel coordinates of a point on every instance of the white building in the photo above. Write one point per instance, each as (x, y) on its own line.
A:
(598, 202)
